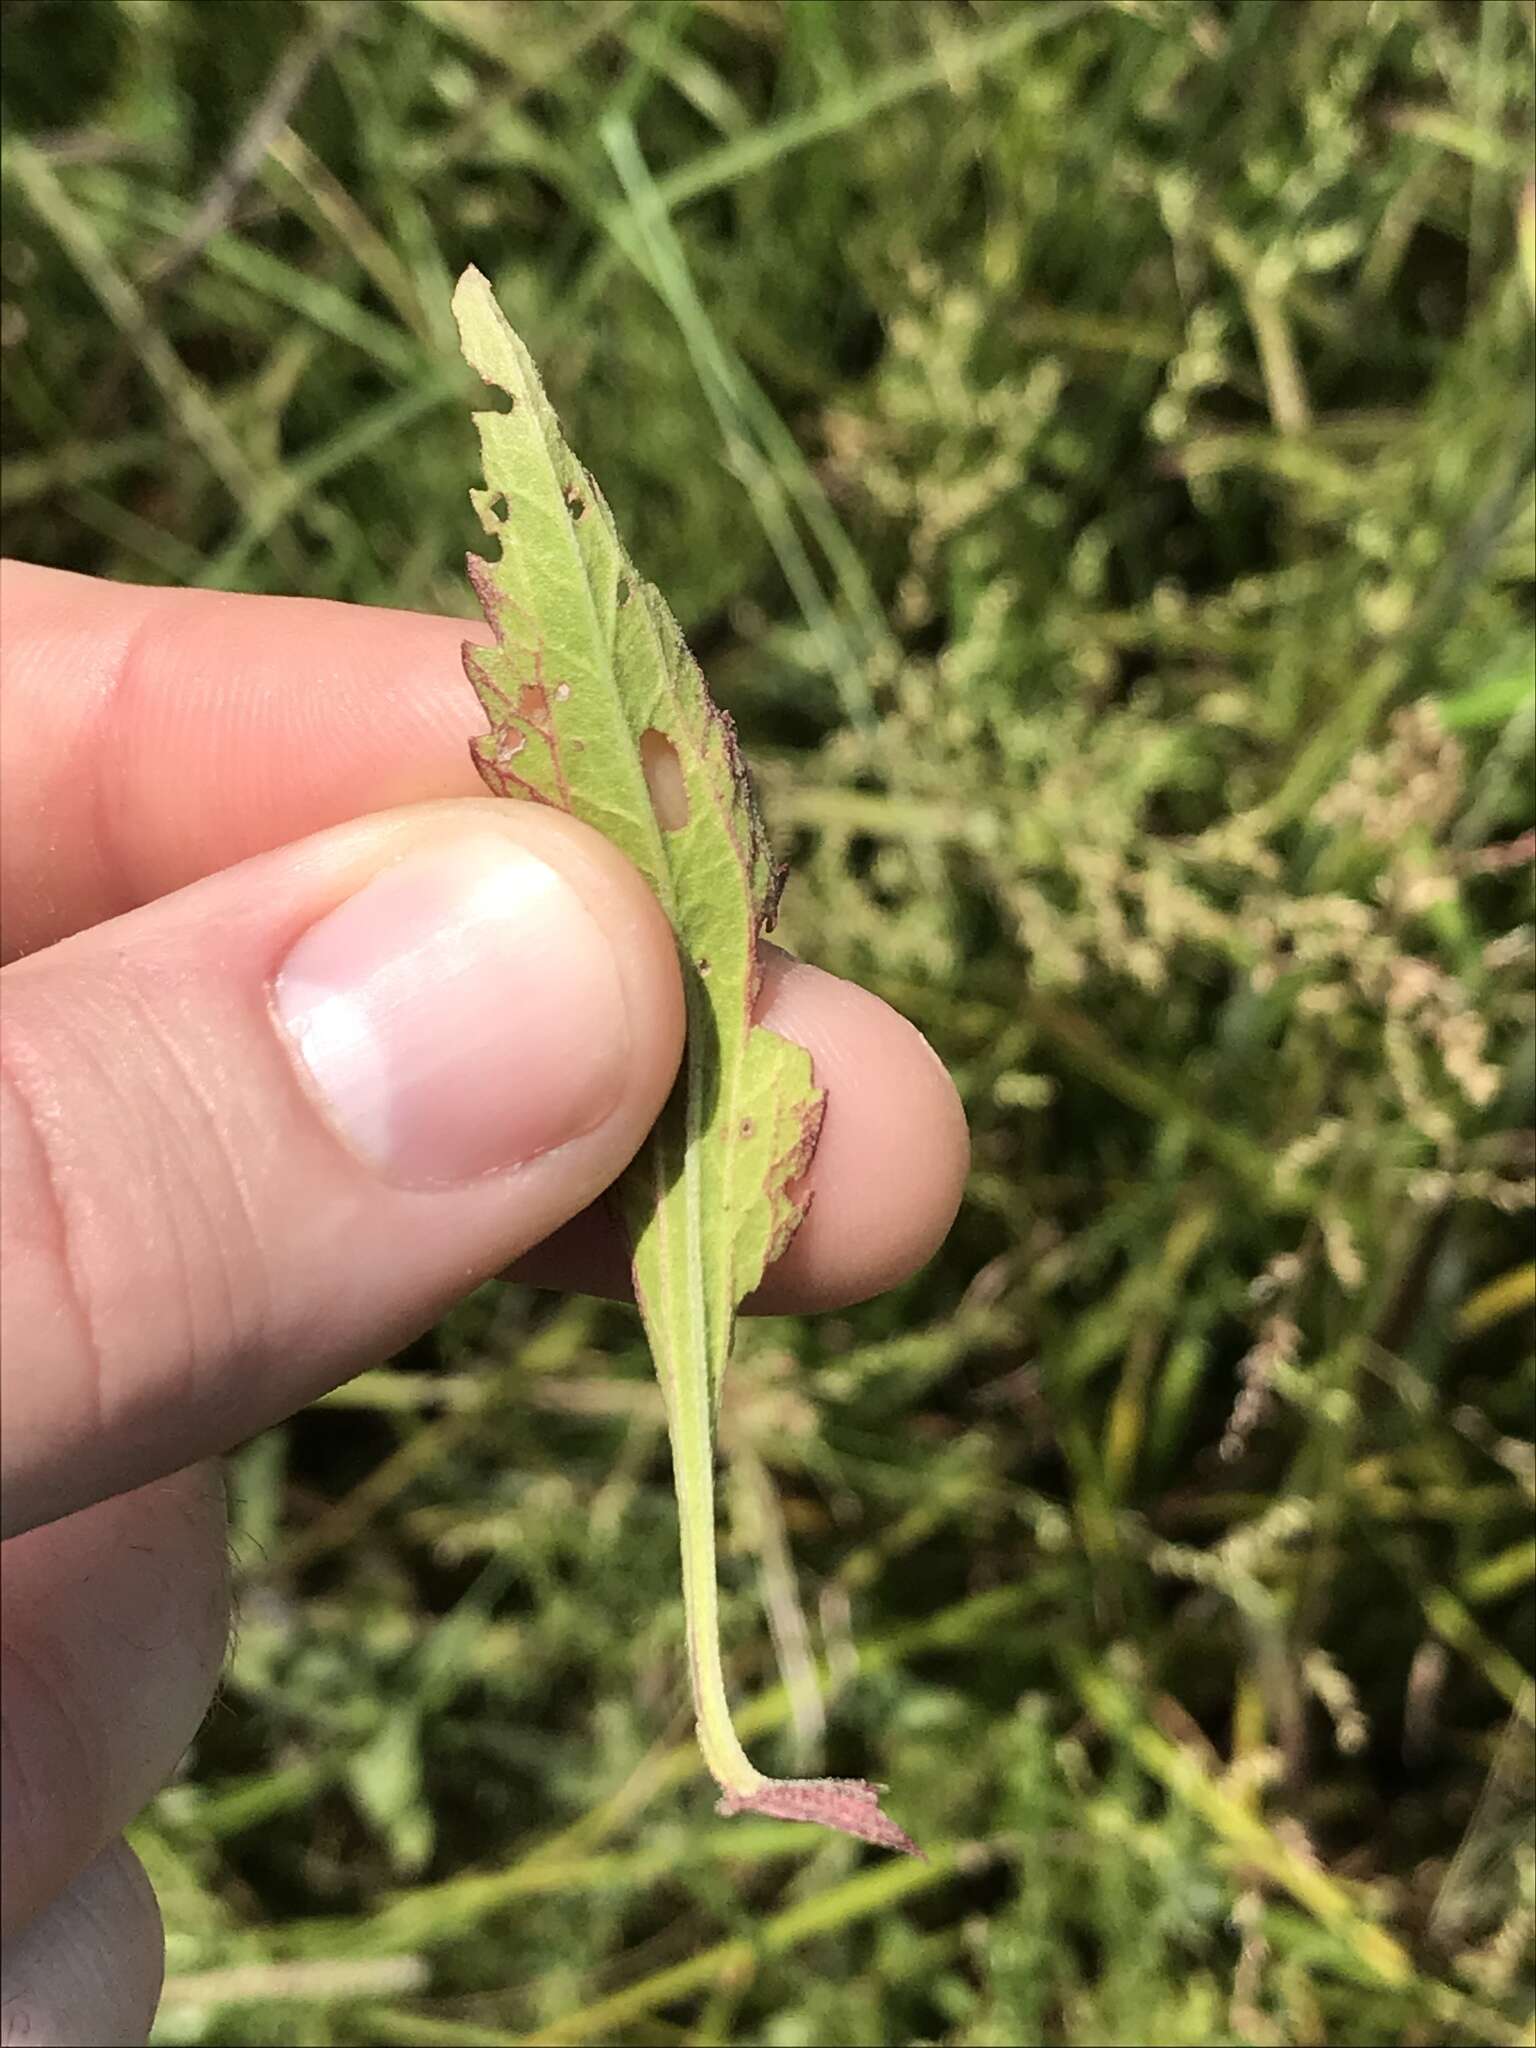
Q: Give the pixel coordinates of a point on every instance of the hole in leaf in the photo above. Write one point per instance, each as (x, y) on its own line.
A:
(664, 780)
(575, 503)
(626, 590)
(497, 506)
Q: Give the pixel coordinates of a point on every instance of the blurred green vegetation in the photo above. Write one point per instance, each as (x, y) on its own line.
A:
(1090, 447)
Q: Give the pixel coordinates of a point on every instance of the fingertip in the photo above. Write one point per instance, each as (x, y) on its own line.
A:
(89, 1968)
(890, 1166)
(503, 987)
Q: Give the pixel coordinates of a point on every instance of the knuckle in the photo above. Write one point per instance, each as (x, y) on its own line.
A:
(127, 1229)
(51, 1306)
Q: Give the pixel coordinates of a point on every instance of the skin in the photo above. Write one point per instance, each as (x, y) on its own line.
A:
(191, 780)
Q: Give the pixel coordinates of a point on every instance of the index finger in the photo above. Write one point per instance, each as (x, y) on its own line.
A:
(157, 736)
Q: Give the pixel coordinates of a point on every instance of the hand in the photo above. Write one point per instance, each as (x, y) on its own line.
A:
(302, 1040)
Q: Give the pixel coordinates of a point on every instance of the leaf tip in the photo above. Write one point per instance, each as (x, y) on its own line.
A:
(483, 583)
(472, 280)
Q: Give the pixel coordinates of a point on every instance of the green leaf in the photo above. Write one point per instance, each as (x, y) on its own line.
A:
(1494, 698)
(385, 1779)
(596, 706)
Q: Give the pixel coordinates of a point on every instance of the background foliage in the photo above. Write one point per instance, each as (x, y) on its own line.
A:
(1090, 447)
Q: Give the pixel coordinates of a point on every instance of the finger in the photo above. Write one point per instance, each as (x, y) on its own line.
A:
(885, 1179)
(155, 736)
(87, 1973)
(270, 1127)
(192, 728)
(114, 1628)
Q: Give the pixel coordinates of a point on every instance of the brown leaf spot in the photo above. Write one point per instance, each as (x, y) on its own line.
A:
(747, 1127)
(575, 503)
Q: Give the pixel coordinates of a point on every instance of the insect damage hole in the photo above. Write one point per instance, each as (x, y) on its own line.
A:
(575, 503)
(664, 780)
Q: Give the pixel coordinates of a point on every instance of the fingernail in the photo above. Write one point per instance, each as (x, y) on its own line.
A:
(460, 1014)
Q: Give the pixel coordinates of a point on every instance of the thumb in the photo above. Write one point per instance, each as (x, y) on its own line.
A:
(263, 1131)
